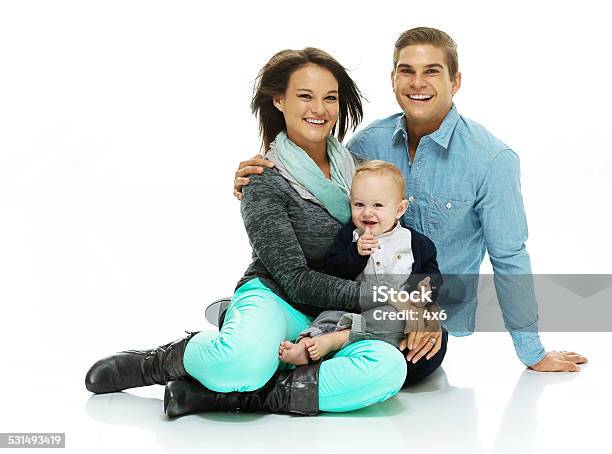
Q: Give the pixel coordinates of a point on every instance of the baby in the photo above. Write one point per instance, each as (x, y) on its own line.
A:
(374, 247)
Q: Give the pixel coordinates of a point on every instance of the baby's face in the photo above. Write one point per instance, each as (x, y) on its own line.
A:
(375, 203)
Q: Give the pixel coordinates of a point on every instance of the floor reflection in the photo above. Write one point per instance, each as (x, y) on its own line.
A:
(518, 428)
(432, 416)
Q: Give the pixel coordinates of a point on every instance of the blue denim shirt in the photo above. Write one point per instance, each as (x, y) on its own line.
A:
(463, 189)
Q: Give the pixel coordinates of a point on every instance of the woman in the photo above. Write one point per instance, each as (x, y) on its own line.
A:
(291, 214)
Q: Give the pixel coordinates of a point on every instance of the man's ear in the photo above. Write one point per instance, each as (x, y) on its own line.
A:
(278, 103)
(456, 83)
(401, 209)
(393, 80)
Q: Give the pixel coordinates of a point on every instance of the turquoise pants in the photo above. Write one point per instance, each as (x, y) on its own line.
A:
(243, 355)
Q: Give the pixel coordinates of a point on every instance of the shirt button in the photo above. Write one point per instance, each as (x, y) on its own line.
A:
(399, 257)
(379, 246)
(377, 263)
(411, 199)
(449, 205)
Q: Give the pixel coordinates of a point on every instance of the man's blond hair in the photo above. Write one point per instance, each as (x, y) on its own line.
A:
(384, 169)
(433, 36)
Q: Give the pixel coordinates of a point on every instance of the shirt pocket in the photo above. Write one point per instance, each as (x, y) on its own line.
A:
(446, 215)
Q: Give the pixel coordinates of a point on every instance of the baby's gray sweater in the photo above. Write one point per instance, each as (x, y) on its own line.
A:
(290, 237)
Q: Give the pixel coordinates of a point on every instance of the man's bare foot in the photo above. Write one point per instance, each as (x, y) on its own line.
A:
(322, 345)
(291, 353)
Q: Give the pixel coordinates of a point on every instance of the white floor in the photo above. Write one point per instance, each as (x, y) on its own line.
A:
(477, 403)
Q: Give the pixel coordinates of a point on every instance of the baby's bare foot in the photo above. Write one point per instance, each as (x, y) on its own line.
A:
(291, 353)
(322, 345)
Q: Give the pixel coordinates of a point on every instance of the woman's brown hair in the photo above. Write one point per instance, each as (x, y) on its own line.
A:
(272, 83)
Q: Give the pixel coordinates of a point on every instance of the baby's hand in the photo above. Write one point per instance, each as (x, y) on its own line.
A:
(367, 244)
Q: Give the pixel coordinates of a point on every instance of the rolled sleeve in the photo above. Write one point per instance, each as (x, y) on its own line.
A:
(528, 347)
(502, 216)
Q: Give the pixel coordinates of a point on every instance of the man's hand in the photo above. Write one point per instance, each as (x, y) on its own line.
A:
(367, 244)
(563, 361)
(427, 339)
(253, 166)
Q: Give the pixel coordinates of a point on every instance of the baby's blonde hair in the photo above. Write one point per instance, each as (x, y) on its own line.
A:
(384, 169)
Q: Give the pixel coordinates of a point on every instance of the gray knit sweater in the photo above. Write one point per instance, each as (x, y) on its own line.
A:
(290, 237)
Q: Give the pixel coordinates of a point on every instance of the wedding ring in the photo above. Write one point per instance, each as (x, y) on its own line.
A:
(432, 340)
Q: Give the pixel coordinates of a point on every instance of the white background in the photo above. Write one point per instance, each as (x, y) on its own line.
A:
(122, 122)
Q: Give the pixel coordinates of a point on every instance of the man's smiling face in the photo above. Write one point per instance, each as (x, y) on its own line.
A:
(422, 84)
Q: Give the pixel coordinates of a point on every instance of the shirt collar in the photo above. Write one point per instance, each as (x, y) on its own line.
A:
(400, 127)
(441, 135)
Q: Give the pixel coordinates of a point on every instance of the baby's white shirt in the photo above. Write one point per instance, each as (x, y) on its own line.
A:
(391, 263)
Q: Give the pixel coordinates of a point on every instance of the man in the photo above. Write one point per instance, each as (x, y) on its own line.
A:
(463, 189)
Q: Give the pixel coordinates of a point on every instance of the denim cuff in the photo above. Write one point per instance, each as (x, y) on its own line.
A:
(528, 346)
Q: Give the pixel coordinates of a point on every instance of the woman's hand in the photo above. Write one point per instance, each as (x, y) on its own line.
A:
(253, 166)
(427, 339)
(367, 244)
(424, 288)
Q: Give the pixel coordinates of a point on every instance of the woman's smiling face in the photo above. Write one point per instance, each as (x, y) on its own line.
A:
(310, 105)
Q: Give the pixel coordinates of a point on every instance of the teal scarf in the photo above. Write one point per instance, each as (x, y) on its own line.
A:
(332, 194)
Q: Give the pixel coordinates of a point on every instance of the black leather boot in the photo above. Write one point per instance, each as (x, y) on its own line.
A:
(134, 368)
(292, 391)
